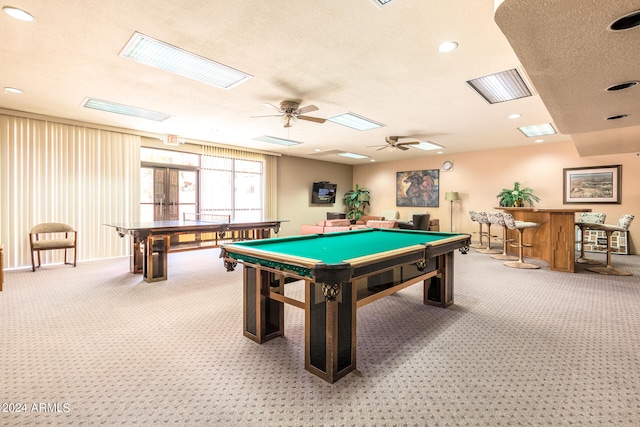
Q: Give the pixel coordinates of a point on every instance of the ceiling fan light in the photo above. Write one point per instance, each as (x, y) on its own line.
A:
(289, 120)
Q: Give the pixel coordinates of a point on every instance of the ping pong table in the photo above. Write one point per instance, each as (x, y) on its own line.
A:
(152, 241)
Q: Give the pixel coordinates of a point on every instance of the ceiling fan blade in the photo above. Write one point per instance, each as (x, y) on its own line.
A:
(401, 147)
(266, 104)
(382, 148)
(312, 119)
(408, 143)
(307, 109)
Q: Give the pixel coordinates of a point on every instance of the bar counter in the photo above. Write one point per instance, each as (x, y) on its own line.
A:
(554, 241)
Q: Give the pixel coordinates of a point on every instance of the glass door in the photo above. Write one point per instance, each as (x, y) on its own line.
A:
(167, 193)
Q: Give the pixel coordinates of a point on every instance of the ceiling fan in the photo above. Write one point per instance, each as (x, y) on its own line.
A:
(392, 143)
(290, 112)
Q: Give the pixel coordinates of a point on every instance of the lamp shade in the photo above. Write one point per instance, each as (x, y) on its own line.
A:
(451, 196)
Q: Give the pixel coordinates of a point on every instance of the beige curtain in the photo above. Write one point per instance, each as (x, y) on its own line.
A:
(53, 172)
(270, 167)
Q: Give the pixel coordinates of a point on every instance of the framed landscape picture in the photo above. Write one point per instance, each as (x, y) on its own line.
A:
(597, 184)
(418, 188)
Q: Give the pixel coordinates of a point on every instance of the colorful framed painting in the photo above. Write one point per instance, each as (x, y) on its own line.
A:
(418, 188)
(597, 184)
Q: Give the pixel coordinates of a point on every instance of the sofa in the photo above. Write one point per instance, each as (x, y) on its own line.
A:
(333, 225)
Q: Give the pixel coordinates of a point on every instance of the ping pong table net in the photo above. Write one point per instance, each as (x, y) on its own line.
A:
(206, 217)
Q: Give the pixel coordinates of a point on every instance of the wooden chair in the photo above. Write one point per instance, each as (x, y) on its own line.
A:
(584, 220)
(520, 226)
(49, 236)
(623, 225)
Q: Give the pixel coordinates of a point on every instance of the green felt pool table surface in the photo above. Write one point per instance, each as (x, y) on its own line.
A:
(334, 248)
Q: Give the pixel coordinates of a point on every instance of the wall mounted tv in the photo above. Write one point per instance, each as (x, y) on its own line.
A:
(323, 193)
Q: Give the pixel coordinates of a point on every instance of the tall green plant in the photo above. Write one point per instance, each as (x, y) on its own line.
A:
(356, 200)
(509, 197)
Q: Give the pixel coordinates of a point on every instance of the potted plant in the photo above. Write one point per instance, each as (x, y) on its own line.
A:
(517, 196)
(356, 200)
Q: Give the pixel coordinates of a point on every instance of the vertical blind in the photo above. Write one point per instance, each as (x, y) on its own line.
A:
(54, 172)
(269, 173)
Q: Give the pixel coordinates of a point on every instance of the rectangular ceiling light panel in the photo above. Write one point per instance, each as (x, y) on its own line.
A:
(380, 3)
(353, 155)
(355, 121)
(155, 53)
(499, 87)
(279, 141)
(127, 110)
(538, 130)
(427, 146)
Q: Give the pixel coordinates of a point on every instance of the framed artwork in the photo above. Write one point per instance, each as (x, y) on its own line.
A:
(598, 184)
(418, 188)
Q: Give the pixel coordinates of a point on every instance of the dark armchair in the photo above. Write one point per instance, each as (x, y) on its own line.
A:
(419, 222)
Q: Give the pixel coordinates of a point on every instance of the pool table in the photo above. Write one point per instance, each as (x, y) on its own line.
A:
(339, 272)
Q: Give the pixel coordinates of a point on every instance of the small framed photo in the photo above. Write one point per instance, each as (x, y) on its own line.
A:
(597, 184)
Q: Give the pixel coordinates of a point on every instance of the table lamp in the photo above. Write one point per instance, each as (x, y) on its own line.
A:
(451, 196)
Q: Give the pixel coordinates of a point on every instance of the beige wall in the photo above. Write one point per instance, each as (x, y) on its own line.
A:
(480, 175)
(295, 178)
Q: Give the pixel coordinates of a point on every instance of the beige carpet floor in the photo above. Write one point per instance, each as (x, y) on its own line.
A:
(96, 345)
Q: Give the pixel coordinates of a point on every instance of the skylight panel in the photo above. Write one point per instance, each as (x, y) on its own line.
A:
(127, 110)
(155, 53)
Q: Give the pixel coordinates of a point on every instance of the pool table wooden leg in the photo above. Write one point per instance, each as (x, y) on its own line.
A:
(438, 290)
(330, 331)
(263, 317)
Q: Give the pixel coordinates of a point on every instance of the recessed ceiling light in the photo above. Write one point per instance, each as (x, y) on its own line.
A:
(18, 14)
(539, 140)
(618, 117)
(514, 116)
(499, 87)
(447, 46)
(538, 130)
(127, 110)
(353, 155)
(276, 140)
(372, 160)
(622, 86)
(355, 121)
(626, 22)
(155, 53)
(12, 90)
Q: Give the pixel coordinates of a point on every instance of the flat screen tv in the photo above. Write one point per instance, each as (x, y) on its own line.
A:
(323, 193)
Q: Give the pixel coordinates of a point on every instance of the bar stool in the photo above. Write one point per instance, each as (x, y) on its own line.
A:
(480, 244)
(497, 218)
(623, 225)
(483, 218)
(520, 226)
(584, 220)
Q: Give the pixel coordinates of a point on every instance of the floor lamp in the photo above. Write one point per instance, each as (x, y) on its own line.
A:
(451, 196)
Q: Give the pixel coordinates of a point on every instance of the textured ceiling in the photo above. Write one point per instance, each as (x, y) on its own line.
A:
(381, 63)
(572, 57)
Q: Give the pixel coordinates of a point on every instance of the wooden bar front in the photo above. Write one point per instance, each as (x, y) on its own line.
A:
(554, 241)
